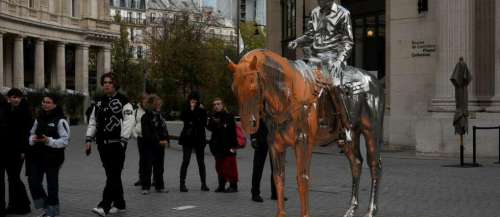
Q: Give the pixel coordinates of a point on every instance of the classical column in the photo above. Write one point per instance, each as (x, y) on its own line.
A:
(39, 64)
(9, 52)
(455, 39)
(61, 66)
(496, 96)
(1, 60)
(82, 69)
(18, 62)
(103, 62)
(107, 59)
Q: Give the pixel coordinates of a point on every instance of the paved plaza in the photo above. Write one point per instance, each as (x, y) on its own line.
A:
(412, 186)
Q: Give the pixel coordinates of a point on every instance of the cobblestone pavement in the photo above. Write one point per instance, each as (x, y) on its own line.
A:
(411, 187)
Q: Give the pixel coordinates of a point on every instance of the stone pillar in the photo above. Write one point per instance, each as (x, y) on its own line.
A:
(39, 64)
(496, 95)
(103, 63)
(1, 61)
(82, 69)
(18, 62)
(61, 66)
(456, 35)
(8, 64)
(107, 59)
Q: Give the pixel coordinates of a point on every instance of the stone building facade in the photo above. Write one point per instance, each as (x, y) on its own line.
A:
(424, 39)
(47, 43)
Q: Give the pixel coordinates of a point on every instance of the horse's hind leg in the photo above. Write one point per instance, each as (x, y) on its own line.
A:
(278, 158)
(352, 153)
(373, 157)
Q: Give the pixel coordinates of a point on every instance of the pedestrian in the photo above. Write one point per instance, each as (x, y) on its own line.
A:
(49, 137)
(223, 144)
(138, 113)
(110, 126)
(261, 150)
(19, 123)
(4, 107)
(193, 137)
(155, 139)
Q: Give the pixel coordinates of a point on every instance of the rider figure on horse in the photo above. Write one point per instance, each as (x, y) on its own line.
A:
(327, 42)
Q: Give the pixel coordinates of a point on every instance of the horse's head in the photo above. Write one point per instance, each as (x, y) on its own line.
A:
(246, 87)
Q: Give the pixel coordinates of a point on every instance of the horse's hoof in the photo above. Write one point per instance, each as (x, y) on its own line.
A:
(350, 212)
(369, 214)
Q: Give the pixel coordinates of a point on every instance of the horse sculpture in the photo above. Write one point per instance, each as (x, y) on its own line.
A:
(269, 86)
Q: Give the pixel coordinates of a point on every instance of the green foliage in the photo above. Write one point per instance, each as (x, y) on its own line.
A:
(130, 72)
(253, 35)
(183, 59)
(72, 104)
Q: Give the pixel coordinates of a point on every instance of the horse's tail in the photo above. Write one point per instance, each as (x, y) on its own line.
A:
(379, 94)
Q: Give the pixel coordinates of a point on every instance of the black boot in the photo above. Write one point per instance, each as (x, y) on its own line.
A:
(183, 187)
(233, 187)
(222, 185)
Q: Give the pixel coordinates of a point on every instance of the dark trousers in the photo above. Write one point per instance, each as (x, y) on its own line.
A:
(140, 147)
(48, 165)
(112, 158)
(187, 149)
(259, 159)
(153, 161)
(18, 197)
(2, 188)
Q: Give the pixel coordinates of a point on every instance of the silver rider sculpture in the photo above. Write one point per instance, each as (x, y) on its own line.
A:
(328, 42)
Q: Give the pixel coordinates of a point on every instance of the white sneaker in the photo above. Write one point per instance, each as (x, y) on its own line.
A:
(99, 211)
(115, 210)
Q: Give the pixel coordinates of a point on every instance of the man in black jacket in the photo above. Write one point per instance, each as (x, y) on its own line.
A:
(110, 126)
(223, 146)
(3, 129)
(19, 122)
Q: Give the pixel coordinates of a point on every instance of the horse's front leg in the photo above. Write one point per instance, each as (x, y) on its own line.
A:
(303, 152)
(373, 157)
(352, 153)
(278, 158)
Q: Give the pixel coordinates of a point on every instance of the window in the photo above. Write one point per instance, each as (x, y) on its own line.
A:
(31, 3)
(122, 3)
(143, 4)
(111, 3)
(139, 52)
(289, 32)
(73, 8)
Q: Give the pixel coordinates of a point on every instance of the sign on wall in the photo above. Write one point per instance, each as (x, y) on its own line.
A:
(422, 48)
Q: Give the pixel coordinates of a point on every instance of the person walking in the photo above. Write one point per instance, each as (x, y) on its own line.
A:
(110, 126)
(193, 137)
(49, 137)
(155, 139)
(223, 146)
(19, 123)
(4, 108)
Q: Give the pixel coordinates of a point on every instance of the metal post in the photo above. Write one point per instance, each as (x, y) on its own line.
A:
(498, 162)
(238, 2)
(474, 146)
(462, 150)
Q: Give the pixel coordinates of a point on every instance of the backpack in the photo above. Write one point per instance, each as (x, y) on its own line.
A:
(240, 137)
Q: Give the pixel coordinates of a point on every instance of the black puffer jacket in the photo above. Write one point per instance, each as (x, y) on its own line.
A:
(19, 123)
(193, 132)
(4, 108)
(154, 128)
(223, 137)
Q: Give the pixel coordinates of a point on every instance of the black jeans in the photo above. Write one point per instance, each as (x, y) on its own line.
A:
(45, 162)
(199, 149)
(259, 159)
(153, 156)
(18, 197)
(2, 187)
(140, 147)
(112, 158)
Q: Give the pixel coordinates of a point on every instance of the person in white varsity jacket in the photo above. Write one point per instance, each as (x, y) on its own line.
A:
(110, 125)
